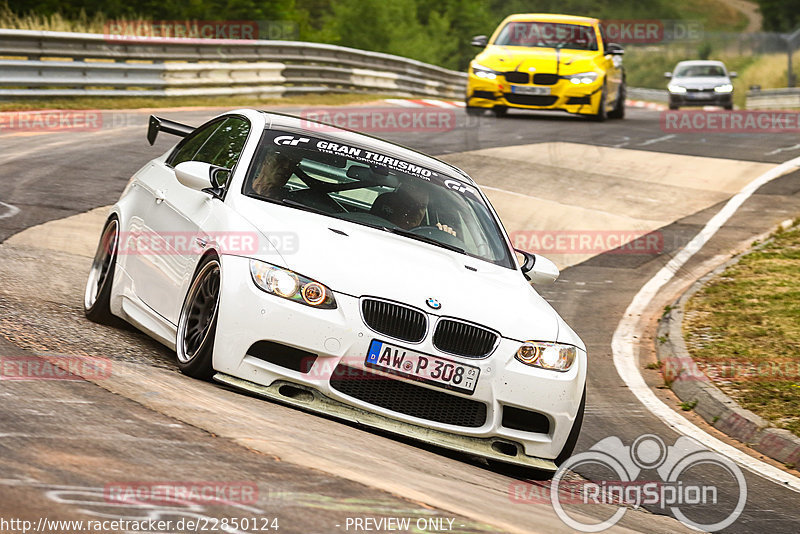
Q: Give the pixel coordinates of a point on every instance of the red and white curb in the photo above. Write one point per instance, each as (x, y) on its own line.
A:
(646, 105)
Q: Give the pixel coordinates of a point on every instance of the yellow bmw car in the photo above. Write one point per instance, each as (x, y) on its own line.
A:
(548, 62)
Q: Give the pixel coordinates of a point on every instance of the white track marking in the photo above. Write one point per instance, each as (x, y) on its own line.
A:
(657, 140)
(784, 149)
(622, 344)
(10, 210)
(625, 142)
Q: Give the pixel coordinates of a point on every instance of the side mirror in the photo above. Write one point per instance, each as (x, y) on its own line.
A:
(479, 41)
(668, 75)
(538, 269)
(732, 75)
(202, 176)
(614, 49)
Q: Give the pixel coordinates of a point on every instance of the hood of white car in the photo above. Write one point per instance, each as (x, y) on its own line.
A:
(361, 261)
(697, 82)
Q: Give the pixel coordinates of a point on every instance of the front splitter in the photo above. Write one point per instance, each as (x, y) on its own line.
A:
(312, 400)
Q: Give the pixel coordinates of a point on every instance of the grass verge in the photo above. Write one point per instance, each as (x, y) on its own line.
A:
(743, 330)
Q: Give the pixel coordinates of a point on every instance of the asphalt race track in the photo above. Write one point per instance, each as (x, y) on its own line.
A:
(62, 443)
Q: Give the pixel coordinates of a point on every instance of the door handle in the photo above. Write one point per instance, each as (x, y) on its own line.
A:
(160, 195)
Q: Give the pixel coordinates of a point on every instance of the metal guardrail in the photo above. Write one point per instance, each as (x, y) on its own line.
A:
(648, 95)
(37, 63)
(773, 99)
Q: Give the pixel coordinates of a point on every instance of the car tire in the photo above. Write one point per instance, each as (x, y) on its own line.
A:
(474, 111)
(572, 439)
(601, 114)
(729, 107)
(97, 295)
(619, 108)
(673, 106)
(197, 323)
(500, 111)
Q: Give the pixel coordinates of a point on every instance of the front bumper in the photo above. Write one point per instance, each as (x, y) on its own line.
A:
(700, 99)
(248, 315)
(563, 95)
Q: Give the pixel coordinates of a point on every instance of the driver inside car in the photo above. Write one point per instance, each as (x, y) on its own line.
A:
(406, 208)
(275, 173)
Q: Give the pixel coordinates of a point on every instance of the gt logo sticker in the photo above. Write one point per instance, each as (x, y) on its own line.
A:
(290, 140)
(458, 186)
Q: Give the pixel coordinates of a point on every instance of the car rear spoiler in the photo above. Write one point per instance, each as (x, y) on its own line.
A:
(157, 124)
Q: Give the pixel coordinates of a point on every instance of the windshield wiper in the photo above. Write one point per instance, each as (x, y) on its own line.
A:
(424, 239)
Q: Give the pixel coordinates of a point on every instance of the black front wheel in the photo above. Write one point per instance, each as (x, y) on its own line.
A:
(601, 114)
(97, 296)
(197, 324)
(619, 108)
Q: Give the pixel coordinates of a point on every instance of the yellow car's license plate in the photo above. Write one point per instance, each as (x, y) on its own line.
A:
(529, 90)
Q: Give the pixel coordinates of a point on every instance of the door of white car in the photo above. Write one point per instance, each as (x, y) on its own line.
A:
(175, 218)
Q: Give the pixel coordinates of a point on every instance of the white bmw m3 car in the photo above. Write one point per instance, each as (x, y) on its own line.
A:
(347, 275)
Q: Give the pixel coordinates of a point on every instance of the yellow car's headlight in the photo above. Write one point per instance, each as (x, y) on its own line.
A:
(483, 72)
(555, 356)
(585, 78)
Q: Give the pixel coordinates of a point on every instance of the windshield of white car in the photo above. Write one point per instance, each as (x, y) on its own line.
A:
(548, 35)
(376, 190)
(699, 71)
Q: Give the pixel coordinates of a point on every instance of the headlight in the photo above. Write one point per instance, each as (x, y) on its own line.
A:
(290, 285)
(676, 89)
(725, 88)
(483, 72)
(547, 355)
(583, 77)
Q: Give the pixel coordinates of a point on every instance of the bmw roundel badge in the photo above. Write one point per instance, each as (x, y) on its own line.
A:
(433, 303)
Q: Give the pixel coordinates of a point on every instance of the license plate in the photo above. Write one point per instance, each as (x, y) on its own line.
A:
(422, 367)
(529, 90)
(699, 96)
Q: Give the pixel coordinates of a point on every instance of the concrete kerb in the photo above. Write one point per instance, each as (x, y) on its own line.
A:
(692, 386)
